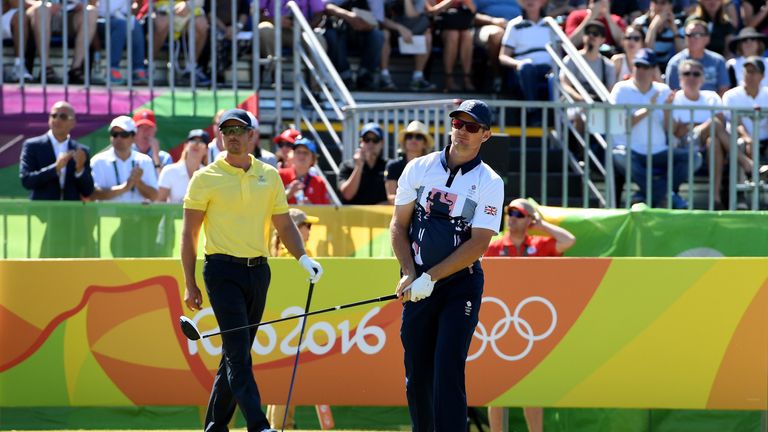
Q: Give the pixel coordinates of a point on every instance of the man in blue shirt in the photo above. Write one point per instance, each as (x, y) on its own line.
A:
(715, 72)
(447, 208)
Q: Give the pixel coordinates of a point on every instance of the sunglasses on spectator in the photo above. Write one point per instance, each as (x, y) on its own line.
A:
(308, 225)
(62, 116)
(634, 38)
(233, 130)
(695, 74)
(595, 33)
(419, 137)
(643, 66)
(122, 134)
(696, 35)
(374, 140)
(469, 126)
(515, 213)
(196, 140)
(284, 144)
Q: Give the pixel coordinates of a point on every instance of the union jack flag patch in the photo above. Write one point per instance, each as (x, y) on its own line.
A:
(491, 210)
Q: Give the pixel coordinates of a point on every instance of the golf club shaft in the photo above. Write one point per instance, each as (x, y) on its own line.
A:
(319, 311)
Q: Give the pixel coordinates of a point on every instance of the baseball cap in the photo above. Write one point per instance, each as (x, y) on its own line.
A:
(523, 205)
(237, 114)
(123, 122)
(600, 26)
(306, 142)
(254, 121)
(476, 109)
(757, 62)
(645, 56)
(144, 116)
(198, 133)
(289, 135)
(372, 127)
(299, 217)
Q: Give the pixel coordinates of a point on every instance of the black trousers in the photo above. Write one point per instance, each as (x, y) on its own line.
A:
(436, 333)
(237, 294)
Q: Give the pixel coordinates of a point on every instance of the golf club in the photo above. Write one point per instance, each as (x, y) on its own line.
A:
(298, 351)
(190, 330)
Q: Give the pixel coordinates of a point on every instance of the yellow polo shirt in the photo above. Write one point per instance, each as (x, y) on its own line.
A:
(238, 206)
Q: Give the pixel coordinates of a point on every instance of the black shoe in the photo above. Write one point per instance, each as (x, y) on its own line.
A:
(51, 77)
(77, 75)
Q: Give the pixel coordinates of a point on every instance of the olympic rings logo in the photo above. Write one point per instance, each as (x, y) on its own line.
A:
(522, 327)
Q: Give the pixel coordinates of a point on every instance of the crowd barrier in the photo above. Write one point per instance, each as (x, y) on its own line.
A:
(630, 333)
(37, 229)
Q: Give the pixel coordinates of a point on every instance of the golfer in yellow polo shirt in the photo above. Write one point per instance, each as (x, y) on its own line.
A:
(234, 199)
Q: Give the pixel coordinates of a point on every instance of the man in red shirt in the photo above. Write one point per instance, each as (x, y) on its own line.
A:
(302, 183)
(522, 216)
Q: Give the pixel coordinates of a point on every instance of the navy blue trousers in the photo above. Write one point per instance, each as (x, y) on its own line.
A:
(237, 294)
(436, 333)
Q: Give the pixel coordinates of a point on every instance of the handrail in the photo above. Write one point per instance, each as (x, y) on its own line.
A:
(576, 57)
(302, 26)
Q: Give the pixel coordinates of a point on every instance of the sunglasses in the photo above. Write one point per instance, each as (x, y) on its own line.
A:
(594, 34)
(308, 225)
(469, 126)
(196, 140)
(643, 66)
(62, 116)
(419, 137)
(233, 130)
(515, 213)
(634, 38)
(122, 134)
(695, 74)
(374, 140)
(282, 144)
(696, 35)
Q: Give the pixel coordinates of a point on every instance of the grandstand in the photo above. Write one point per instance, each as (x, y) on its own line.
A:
(547, 157)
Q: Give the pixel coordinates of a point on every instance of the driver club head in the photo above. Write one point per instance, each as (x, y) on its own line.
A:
(189, 328)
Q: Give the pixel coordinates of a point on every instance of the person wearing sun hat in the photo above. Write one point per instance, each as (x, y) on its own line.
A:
(414, 141)
(749, 42)
(522, 216)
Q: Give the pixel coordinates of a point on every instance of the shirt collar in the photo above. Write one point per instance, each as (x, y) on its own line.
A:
(465, 167)
(229, 169)
(54, 141)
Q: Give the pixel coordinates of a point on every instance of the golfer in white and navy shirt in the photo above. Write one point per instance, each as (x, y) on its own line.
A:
(447, 208)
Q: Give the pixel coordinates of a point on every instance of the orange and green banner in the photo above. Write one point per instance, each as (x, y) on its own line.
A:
(661, 333)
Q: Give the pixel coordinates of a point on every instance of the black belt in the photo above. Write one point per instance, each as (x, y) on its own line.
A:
(250, 262)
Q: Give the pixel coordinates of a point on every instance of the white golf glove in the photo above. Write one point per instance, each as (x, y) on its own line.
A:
(422, 287)
(312, 267)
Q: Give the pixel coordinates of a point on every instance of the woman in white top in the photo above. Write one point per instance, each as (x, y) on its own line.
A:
(748, 43)
(174, 178)
(693, 126)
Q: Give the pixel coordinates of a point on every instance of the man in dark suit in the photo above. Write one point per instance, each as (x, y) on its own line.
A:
(56, 167)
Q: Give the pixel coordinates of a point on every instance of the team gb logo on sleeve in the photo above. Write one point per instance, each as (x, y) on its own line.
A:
(491, 210)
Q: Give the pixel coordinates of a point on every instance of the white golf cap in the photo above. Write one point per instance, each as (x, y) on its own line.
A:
(125, 123)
